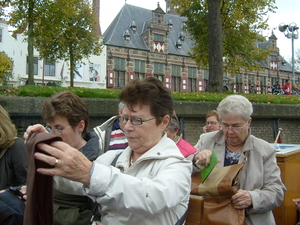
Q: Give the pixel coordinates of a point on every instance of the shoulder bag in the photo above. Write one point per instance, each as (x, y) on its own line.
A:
(217, 191)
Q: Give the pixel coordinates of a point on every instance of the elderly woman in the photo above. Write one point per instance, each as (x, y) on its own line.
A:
(260, 189)
(150, 183)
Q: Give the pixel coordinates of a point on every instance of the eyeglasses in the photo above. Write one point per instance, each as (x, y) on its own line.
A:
(56, 131)
(134, 120)
(233, 128)
(211, 123)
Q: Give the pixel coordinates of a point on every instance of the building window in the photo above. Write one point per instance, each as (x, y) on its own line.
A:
(263, 84)
(0, 35)
(239, 82)
(273, 80)
(176, 83)
(159, 38)
(159, 71)
(139, 69)
(35, 65)
(49, 68)
(126, 35)
(119, 72)
(176, 77)
(206, 76)
(192, 79)
(251, 79)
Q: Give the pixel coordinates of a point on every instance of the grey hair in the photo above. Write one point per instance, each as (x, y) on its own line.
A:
(235, 104)
(121, 105)
(174, 123)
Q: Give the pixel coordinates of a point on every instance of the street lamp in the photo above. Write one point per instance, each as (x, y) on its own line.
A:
(291, 32)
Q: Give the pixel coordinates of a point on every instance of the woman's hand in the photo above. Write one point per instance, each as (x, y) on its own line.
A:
(297, 203)
(68, 162)
(241, 200)
(38, 128)
(202, 158)
(24, 192)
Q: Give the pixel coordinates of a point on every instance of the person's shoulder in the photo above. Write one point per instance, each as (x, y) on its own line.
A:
(107, 157)
(19, 143)
(105, 125)
(209, 135)
(185, 146)
(262, 146)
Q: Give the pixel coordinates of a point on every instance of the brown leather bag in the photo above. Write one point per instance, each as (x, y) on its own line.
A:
(217, 191)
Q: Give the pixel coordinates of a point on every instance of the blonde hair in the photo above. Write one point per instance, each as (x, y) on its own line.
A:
(8, 131)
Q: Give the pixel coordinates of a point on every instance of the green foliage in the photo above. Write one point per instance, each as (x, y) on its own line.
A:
(6, 66)
(22, 17)
(257, 98)
(64, 31)
(242, 21)
(47, 91)
(59, 29)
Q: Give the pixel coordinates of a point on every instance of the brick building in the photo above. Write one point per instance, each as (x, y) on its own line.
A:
(142, 42)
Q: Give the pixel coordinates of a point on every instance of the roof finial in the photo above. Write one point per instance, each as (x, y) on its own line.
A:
(158, 5)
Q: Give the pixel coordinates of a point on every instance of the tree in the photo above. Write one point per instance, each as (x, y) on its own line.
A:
(64, 31)
(241, 21)
(22, 16)
(6, 66)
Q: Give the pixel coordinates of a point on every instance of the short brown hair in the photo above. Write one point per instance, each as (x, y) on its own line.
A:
(68, 105)
(149, 91)
(8, 131)
(213, 113)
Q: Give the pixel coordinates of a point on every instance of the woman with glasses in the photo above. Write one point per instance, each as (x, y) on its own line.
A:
(149, 181)
(212, 121)
(261, 189)
(67, 116)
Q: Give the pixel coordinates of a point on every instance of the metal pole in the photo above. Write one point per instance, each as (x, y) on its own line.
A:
(293, 66)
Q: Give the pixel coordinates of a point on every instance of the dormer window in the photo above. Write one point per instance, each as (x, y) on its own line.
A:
(170, 23)
(182, 35)
(178, 44)
(133, 25)
(126, 35)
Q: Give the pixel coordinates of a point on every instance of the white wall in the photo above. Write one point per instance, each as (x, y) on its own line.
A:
(16, 48)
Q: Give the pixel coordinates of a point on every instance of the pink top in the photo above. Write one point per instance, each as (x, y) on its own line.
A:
(185, 147)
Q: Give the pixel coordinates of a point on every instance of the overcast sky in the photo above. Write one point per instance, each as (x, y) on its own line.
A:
(288, 11)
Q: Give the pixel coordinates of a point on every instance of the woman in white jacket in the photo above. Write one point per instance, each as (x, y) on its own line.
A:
(150, 183)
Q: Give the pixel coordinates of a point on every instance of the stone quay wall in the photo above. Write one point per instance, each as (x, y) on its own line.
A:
(266, 118)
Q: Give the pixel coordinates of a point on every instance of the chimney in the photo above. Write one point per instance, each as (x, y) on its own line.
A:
(96, 12)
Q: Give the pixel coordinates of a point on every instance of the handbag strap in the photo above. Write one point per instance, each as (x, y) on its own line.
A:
(238, 177)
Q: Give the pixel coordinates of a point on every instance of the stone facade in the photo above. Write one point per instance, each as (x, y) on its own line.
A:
(132, 37)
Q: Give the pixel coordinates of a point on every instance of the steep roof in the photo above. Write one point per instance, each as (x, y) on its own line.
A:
(114, 35)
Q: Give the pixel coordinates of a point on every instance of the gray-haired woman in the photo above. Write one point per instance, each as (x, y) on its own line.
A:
(261, 189)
